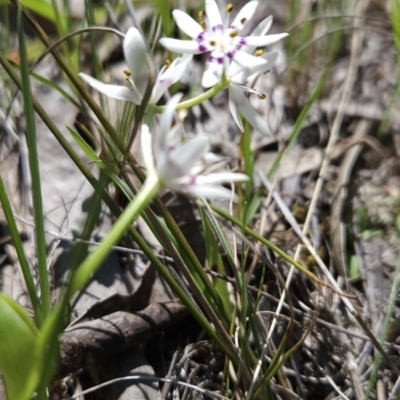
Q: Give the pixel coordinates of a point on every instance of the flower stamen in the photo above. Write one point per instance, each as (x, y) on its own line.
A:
(229, 7)
(127, 74)
(259, 52)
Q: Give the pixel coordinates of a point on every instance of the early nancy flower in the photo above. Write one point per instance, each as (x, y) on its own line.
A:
(180, 165)
(221, 39)
(138, 73)
(240, 77)
(239, 92)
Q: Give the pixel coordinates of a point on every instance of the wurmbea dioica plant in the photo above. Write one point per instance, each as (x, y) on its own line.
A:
(185, 166)
(233, 60)
(219, 38)
(138, 73)
(238, 76)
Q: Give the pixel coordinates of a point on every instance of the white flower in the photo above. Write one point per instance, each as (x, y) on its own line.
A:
(221, 39)
(138, 74)
(182, 165)
(239, 92)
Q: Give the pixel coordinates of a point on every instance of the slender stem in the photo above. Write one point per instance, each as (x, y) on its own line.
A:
(198, 99)
(90, 265)
(177, 233)
(34, 171)
(271, 246)
(23, 261)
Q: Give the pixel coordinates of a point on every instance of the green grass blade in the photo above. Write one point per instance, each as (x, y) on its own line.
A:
(299, 122)
(59, 89)
(34, 170)
(215, 261)
(164, 10)
(389, 313)
(82, 143)
(42, 8)
(78, 254)
(23, 261)
(395, 14)
(20, 358)
(255, 203)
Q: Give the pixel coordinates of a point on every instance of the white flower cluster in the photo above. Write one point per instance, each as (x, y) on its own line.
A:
(233, 61)
(231, 55)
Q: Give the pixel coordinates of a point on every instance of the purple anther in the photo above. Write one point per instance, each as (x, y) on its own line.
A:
(211, 58)
(220, 60)
(242, 41)
(233, 27)
(218, 27)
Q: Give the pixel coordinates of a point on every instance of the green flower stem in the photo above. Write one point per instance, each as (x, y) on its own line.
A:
(93, 261)
(198, 99)
(90, 265)
(177, 233)
(82, 275)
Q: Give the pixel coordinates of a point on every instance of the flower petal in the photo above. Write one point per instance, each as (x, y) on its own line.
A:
(212, 158)
(221, 177)
(187, 24)
(263, 27)
(115, 91)
(247, 60)
(168, 76)
(174, 136)
(212, 192)
(261, 41)
(185, 46)
(213, 15)
(187, 155)
(244, 15)
(213, 71)
(147, 151)
(270, 59)
(261, 30)
(248, 111)
(166, 122)
(232, 105)
(235, 73)
(135, 56)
